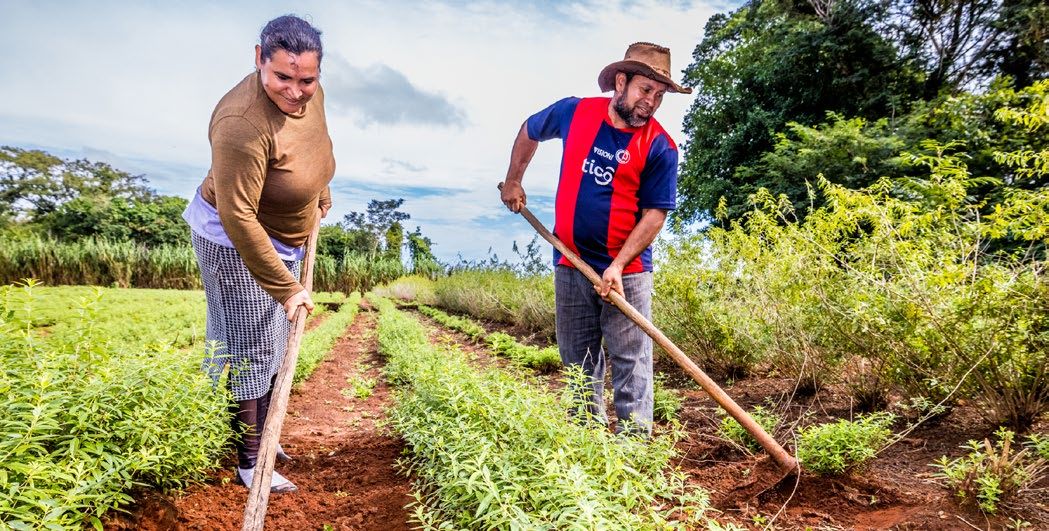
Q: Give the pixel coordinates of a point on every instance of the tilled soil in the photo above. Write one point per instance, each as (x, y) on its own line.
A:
(896, 491)
(344, 463)
(347, 479)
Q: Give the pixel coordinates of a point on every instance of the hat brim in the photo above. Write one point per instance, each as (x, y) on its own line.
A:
(606, 80)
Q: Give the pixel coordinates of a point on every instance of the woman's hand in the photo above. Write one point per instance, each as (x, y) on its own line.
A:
(301, 298)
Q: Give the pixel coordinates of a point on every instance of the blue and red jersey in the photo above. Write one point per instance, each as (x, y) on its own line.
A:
(608, 176)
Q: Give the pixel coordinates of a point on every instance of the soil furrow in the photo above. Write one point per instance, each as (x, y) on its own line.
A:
(344, 464)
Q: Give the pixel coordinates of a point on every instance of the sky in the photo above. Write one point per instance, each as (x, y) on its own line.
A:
(423, 99)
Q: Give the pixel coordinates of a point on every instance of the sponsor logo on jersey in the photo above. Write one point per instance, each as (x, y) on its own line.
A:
(602, 174)
(603, 153)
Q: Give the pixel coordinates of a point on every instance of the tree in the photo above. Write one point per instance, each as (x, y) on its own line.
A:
(376, 221)
(394, 241)
(152, 221)
(965, 44)
(420, 250)
(34, 183)
(771, 63)
(851, 152)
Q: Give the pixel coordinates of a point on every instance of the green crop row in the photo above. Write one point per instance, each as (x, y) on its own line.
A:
(85, 420)
(491, 451)
(462, 324)
(541, 359)
(666, 402)
(319, 341)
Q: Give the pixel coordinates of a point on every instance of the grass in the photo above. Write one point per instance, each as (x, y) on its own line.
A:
(501, 295)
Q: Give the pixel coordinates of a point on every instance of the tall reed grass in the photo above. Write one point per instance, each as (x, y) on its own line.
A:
(502, 295)
(125, 264)
(98, 262)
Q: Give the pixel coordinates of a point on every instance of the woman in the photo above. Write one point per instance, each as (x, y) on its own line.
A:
(271, 162)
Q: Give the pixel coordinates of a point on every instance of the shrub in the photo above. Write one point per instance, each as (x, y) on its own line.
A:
(834, 448)
(991, 474)
(731, 430)
(492, 451)
(413, 288)
(85, 421)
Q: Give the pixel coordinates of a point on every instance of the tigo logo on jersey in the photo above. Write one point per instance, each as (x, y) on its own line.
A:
(602, 174)
(623, 156)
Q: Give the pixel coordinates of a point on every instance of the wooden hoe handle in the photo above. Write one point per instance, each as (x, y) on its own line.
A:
(786, 461)
(259, 495)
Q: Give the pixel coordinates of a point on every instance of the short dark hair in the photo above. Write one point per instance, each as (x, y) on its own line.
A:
(291, 34)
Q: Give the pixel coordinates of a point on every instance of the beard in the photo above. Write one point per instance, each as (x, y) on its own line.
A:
(633, 116)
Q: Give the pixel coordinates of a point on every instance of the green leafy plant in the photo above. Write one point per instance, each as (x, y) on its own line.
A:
(731, 430)
(86, 420)
(666, 402)
(991, 474)
(1039, 444)
(490, 450)
(541, 359)
(840, 446)
(363, 387)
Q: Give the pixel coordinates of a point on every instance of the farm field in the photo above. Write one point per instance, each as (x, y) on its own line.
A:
(348, 431)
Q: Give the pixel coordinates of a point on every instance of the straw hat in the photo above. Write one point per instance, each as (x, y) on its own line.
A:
(647, 59)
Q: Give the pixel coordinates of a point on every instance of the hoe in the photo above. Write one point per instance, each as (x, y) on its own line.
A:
(787, 463)
(258, 496)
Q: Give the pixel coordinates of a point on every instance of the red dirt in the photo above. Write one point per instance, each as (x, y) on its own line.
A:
(345, 472)
(344, 464)
(896, 491)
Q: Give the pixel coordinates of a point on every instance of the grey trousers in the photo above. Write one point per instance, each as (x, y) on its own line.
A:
(582, 320)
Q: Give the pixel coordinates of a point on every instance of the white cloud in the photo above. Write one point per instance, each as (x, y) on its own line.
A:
(419, 93)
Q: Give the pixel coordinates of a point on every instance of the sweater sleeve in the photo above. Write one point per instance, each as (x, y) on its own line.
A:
(325, 200)
(239, 157)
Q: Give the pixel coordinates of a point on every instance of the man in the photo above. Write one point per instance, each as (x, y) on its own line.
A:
(618, 180)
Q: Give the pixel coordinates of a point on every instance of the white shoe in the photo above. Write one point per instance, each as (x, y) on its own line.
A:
(278, 483)
(281, 456)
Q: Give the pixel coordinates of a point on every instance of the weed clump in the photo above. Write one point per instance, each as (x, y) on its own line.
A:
(991, 474)
(831, 449)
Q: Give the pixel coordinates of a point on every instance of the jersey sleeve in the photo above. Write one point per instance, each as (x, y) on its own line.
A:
(659, 178)
(552, 122)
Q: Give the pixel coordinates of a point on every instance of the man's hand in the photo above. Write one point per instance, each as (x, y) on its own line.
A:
(301, 298)
(513, 196)
(612, 279)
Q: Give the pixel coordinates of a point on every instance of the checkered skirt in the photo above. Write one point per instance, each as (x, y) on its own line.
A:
(246, 327)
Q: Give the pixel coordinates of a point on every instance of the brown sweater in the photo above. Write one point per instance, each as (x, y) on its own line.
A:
(269, 174)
